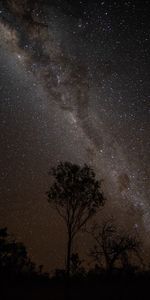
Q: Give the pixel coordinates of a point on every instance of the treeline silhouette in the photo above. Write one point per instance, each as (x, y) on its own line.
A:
(20, 278)
(118, 270)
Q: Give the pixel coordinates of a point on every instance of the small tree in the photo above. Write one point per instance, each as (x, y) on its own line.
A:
(76, 268)
(113, 246)
(76, 195)
(14, 260)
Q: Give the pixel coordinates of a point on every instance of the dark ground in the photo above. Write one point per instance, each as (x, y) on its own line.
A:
(137, 289)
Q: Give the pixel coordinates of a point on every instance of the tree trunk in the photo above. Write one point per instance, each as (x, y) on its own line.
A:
(69, 254)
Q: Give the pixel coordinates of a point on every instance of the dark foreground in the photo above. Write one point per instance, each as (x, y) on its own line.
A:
(115, 290)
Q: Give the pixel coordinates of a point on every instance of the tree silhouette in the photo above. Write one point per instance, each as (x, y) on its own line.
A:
(113, 246)
(14, 261)
(76, 268)
(76, 195)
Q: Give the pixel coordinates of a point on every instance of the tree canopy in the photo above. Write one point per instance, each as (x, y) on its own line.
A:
(76, 195)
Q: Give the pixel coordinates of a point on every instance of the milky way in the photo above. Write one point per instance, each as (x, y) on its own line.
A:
(74, 86)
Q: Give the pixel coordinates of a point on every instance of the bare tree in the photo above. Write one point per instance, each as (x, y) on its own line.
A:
(76, 195)
(113, 246)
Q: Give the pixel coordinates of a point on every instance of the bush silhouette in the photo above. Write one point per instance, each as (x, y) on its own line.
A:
(14, 261)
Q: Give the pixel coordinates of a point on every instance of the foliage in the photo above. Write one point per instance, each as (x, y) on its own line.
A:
(76, 195)
(14, 260)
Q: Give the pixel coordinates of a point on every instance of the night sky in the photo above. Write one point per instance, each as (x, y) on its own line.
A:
(75, 86)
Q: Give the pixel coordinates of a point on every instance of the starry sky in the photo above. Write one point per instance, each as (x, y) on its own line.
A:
(74, 85)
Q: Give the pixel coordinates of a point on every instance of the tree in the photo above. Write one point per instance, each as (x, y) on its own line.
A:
(76, 195)
(76, 268)
(13, 255)
(14, 261)
(112, 246)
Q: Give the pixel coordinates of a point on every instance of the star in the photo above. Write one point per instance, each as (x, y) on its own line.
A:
(74, 86)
